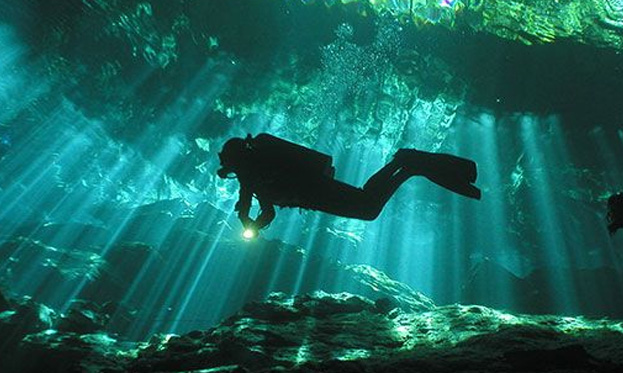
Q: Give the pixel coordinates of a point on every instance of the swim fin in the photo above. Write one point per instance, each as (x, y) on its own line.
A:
(449, 171)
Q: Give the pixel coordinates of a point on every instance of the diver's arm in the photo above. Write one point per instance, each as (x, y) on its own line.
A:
(243, 206)
(266, 216)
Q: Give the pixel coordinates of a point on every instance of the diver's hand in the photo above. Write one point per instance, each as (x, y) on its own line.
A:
(247, 222)
(251, 230)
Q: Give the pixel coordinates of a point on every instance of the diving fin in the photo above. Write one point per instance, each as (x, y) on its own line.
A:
(449, 171)
(450, 182)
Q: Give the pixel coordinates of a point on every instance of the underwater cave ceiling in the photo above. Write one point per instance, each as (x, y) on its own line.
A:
(593, 22)
(441, 54)
(156, 72)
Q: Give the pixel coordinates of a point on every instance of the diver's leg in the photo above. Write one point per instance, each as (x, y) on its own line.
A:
(382, 185)
(338, 198)
(383, 175)
(384, 192)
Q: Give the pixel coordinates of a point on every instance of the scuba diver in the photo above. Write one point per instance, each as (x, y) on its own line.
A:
(615, 213)
(282, 173)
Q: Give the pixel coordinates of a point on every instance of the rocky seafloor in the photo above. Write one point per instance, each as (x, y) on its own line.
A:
(318, 332)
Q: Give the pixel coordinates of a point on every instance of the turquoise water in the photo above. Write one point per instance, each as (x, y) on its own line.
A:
(114, 112)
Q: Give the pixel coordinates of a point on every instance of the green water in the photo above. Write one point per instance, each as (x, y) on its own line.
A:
(113, 113)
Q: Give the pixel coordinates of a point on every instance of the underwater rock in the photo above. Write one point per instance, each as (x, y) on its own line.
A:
(148, 224)
(24, 255)
(35, 338)
(339, 333)
(68, 234)
(344, 332)
(51, 351)
(281, 332)
(85, 317)
(61, 270)
(27, 316)
(281, 308)
(407, 298)
(24, 316)
(567, 357)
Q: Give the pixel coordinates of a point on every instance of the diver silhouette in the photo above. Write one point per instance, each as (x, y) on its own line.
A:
(282, 173)
(615, 213)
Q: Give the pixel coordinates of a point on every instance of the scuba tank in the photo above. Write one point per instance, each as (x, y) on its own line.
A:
(290, 157)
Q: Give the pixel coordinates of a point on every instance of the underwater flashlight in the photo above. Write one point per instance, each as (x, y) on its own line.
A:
(249, 234)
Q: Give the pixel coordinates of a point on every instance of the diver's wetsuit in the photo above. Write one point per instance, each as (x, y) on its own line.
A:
(290, 182)
(321, 192)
